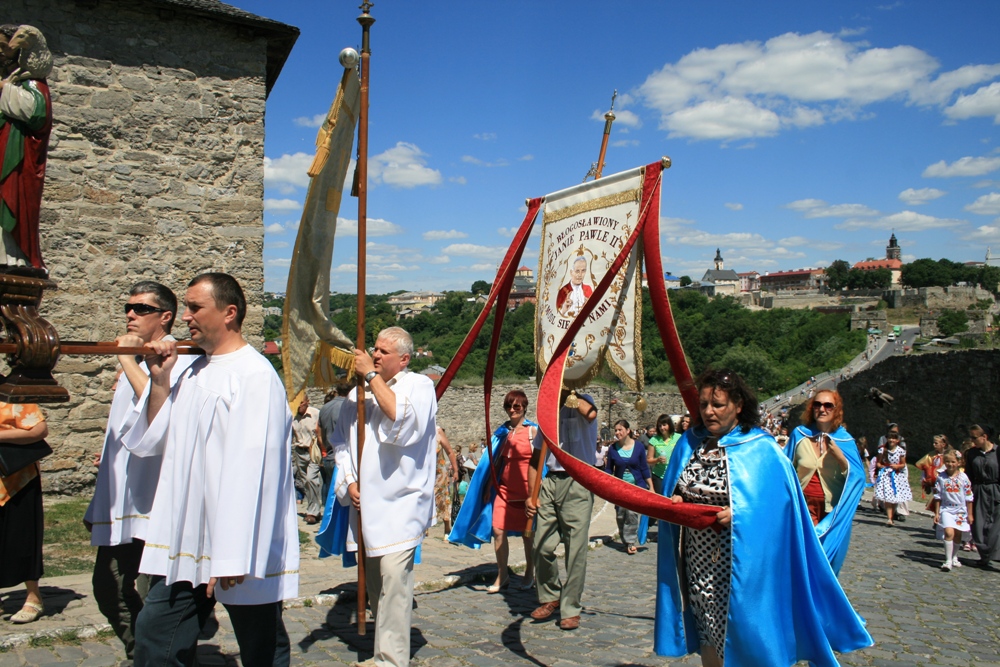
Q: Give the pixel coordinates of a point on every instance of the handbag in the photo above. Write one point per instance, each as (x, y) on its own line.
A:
(16, 457)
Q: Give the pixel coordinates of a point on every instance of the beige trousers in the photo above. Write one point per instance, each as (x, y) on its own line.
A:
(389, 582)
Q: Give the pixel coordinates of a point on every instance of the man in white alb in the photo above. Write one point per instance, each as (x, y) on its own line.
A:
(396, 477)
(123, 494)
(223, 524)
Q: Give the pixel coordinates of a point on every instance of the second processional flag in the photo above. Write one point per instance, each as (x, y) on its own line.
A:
(583, 230)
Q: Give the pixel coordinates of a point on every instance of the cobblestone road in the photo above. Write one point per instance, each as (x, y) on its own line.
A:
(917, 614)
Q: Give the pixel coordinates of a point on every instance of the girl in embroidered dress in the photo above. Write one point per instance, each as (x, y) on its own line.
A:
(892, 486)
(952, 507)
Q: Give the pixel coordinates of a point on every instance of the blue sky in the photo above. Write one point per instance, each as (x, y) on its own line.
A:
(800, 133)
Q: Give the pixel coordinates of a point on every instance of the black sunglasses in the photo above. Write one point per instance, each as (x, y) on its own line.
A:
(825, 406)
(143, 309)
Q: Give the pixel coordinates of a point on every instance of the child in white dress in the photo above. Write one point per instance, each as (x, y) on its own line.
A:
(952, 507)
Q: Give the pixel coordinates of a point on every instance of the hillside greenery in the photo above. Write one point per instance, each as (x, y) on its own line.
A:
(774, 349)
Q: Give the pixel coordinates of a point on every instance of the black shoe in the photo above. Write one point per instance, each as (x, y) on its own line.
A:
(901, 519)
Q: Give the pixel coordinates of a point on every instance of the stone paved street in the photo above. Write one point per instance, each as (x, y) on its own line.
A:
(917, 614)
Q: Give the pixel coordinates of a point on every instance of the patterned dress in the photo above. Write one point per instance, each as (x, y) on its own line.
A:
(708, 555)
(892, 486)
(442, 486)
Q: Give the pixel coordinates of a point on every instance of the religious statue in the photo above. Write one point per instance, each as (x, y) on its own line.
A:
(25, 125)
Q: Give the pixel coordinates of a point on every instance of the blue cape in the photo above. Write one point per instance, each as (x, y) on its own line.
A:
(834, 530)
(785, 603)
(332, 534)
(473, 526)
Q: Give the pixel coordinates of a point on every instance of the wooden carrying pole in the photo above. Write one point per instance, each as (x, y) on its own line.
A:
(366, 22)
(609, 118)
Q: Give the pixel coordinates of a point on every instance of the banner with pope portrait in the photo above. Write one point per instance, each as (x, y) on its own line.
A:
(583, 230)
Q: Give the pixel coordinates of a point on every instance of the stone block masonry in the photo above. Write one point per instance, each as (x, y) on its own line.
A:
(155, 172)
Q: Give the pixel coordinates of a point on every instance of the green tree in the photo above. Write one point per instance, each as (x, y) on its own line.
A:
(481, 287)
(951, 322)
(836, 274)
(685, 281)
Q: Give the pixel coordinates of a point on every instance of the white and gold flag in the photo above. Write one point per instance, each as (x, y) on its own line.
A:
(310, 341)
(583, 230)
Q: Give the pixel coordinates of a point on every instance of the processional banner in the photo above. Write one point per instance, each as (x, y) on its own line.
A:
(310, 341)
(583, 229)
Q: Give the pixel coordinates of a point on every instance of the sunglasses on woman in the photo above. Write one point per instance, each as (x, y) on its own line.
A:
(824, 406)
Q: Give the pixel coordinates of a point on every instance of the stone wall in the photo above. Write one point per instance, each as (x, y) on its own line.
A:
(460, 411)
(937, 298)
(934, 393)
(155, 172)
(869, 319)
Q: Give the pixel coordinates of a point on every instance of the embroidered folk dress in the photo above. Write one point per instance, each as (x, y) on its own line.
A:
(953, 494)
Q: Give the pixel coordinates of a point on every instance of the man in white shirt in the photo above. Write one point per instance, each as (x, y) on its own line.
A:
(394, 485)
(564, 508)
(223, 523)
(123, 494)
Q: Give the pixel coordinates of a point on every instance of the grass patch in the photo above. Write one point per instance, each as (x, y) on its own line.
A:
(41, 642)
(304, 537)
(66, 548)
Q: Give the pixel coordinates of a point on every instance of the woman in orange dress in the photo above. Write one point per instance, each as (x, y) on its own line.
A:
(21, 519)
(508, 505)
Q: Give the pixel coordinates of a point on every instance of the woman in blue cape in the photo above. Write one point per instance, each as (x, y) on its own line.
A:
(760, 591)
(827, 461)
(494, 502)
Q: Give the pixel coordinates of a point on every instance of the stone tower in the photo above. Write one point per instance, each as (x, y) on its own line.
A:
(893, 251)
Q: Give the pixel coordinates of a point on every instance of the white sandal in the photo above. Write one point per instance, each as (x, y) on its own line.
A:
(29, 613)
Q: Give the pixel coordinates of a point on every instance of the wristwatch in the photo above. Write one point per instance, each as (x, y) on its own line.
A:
(370, 375)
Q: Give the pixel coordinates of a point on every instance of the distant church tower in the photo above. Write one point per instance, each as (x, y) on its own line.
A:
(718, 260)
(893, 251)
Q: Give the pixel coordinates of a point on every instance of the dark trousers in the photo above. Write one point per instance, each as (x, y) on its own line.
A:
(119, 589)
(168, 626)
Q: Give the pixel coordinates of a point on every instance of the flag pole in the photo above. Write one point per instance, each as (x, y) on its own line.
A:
(609, 118)
(361, 181)
(597, 168)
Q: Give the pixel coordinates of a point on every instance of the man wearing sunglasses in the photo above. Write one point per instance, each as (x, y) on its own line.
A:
(123, 495)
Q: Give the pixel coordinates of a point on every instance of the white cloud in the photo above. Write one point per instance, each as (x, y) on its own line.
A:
(904, 221)
(966, 166)
(623, 117)
(985, 234)
(402, 166)
(817, 208)
(373, 227)
(345, 268)
(797, 241)
(277, 245)
(756, 89)
(742, 240)
(733, 206)
(280, 261)
(483, 266)
(485, 136)
(526, 158)
(275, 228)
(983, 102)
(914, 197)
(457, 179)
(440, 259)
(287, 170)
(310, 121)
(469, 159)
(474, 250)
(986, 205)
(624, 143)
(281, 205)
(441, 235)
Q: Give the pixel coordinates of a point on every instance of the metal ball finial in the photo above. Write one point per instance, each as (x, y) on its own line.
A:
(349, 58)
